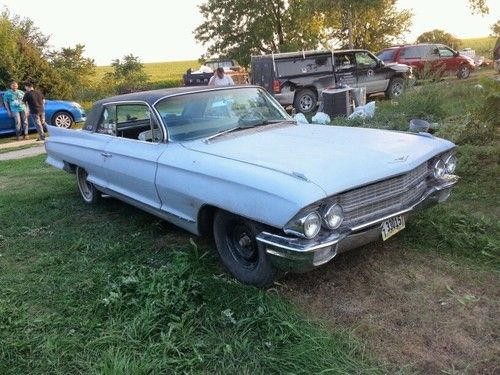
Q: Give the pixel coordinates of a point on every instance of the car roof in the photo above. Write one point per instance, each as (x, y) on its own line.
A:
(150, 98)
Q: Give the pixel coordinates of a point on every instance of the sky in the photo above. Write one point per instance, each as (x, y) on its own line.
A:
(162, 30)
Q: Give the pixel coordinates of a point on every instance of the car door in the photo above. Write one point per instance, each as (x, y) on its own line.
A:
(6, 123)
(345, 68)
(371, 73)
(447, 58)
(416, 57)
(132, 153)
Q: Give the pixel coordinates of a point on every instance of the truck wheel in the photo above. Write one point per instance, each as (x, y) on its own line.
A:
(87, 190)
(240, 251)
(396, 88)
(305, 101)
(463, 71)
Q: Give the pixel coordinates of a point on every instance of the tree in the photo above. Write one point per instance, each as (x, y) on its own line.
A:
(495, 29)
(128, 74)
(479, 7)
(25, 56)
(241, 28)
(370, 24)
(439, 36)
(73, 67)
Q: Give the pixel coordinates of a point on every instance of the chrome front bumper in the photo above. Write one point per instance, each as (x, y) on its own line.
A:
(299, 255)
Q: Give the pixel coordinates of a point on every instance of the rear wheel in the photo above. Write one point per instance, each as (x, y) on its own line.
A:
(463, 71)
(305, 101)
(87, 190)
(240, 251)
(396, 88)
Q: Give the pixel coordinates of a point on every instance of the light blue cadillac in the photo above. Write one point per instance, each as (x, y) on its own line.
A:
(231, 163)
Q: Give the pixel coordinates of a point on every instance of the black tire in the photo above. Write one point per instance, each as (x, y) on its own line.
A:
(463, 71)
(62, 119)
(396, 88)
(239, 250)
(305, 101)
(87, 190)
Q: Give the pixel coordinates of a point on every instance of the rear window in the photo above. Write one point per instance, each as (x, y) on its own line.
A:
(299, 66)
(387, 55)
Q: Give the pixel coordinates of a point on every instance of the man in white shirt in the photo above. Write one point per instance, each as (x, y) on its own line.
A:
(220, 79)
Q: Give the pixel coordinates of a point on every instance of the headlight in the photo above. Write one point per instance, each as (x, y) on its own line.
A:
(311, 225)
(333, 216)
(306, 225)
(439, 169)
(451, 164)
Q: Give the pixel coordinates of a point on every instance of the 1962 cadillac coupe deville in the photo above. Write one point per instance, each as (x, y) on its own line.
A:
(230, 162)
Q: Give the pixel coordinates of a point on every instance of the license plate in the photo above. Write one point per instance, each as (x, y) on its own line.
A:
(392, 226)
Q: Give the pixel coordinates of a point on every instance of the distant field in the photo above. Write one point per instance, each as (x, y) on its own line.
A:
(482, 46)
(160, 71)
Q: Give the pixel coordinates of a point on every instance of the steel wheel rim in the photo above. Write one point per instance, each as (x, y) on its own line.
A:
(243, 246)
(84, 186)
(306, 102)
(63, 121)
(397, 89)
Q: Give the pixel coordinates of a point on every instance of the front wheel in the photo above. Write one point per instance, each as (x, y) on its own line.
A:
(305, 101)
(396, 88)
(62, 119)
(463, 72)
(240, 251)
(87, 190)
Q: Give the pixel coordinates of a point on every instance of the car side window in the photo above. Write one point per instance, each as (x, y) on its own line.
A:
(135, 121)
(344, 61)
(416, 52)
(107, 122)
(445, 52)
(365, 60)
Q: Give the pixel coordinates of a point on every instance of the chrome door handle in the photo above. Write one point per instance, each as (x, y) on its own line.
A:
(105, 154)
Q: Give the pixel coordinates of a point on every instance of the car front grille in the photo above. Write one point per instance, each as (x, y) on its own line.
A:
(384, 197)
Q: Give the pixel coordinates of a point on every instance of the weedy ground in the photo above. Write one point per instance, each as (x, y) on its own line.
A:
(110, 289)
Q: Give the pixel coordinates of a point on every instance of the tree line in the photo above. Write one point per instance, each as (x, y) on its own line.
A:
(65, 73)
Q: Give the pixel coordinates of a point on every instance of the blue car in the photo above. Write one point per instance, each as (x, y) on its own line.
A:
(59, 113)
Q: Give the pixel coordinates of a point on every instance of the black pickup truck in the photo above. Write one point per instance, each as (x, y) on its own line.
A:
(201, 78)
(298, 78)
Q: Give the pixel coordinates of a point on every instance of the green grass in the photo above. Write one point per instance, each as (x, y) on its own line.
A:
(110, 289)
(161, 71)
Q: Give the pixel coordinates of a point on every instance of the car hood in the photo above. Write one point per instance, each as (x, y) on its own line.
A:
(334, 158)
(398, 67)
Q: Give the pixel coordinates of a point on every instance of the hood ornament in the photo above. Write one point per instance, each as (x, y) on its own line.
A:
(402, 159)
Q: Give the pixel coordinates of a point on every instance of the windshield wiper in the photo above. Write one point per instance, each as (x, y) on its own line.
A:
(243, 127)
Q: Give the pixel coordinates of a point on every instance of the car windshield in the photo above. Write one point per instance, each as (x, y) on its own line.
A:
(207, 113)
(386, 55)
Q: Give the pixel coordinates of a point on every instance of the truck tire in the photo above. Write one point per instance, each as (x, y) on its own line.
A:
(239, 250)
(396, 88)
(463, 71)
(305, 101)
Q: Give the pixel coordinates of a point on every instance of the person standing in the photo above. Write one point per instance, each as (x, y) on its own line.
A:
(13, 101)
(220, 79)
(36, 103)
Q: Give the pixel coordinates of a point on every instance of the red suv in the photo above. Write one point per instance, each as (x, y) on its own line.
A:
(433, 58)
